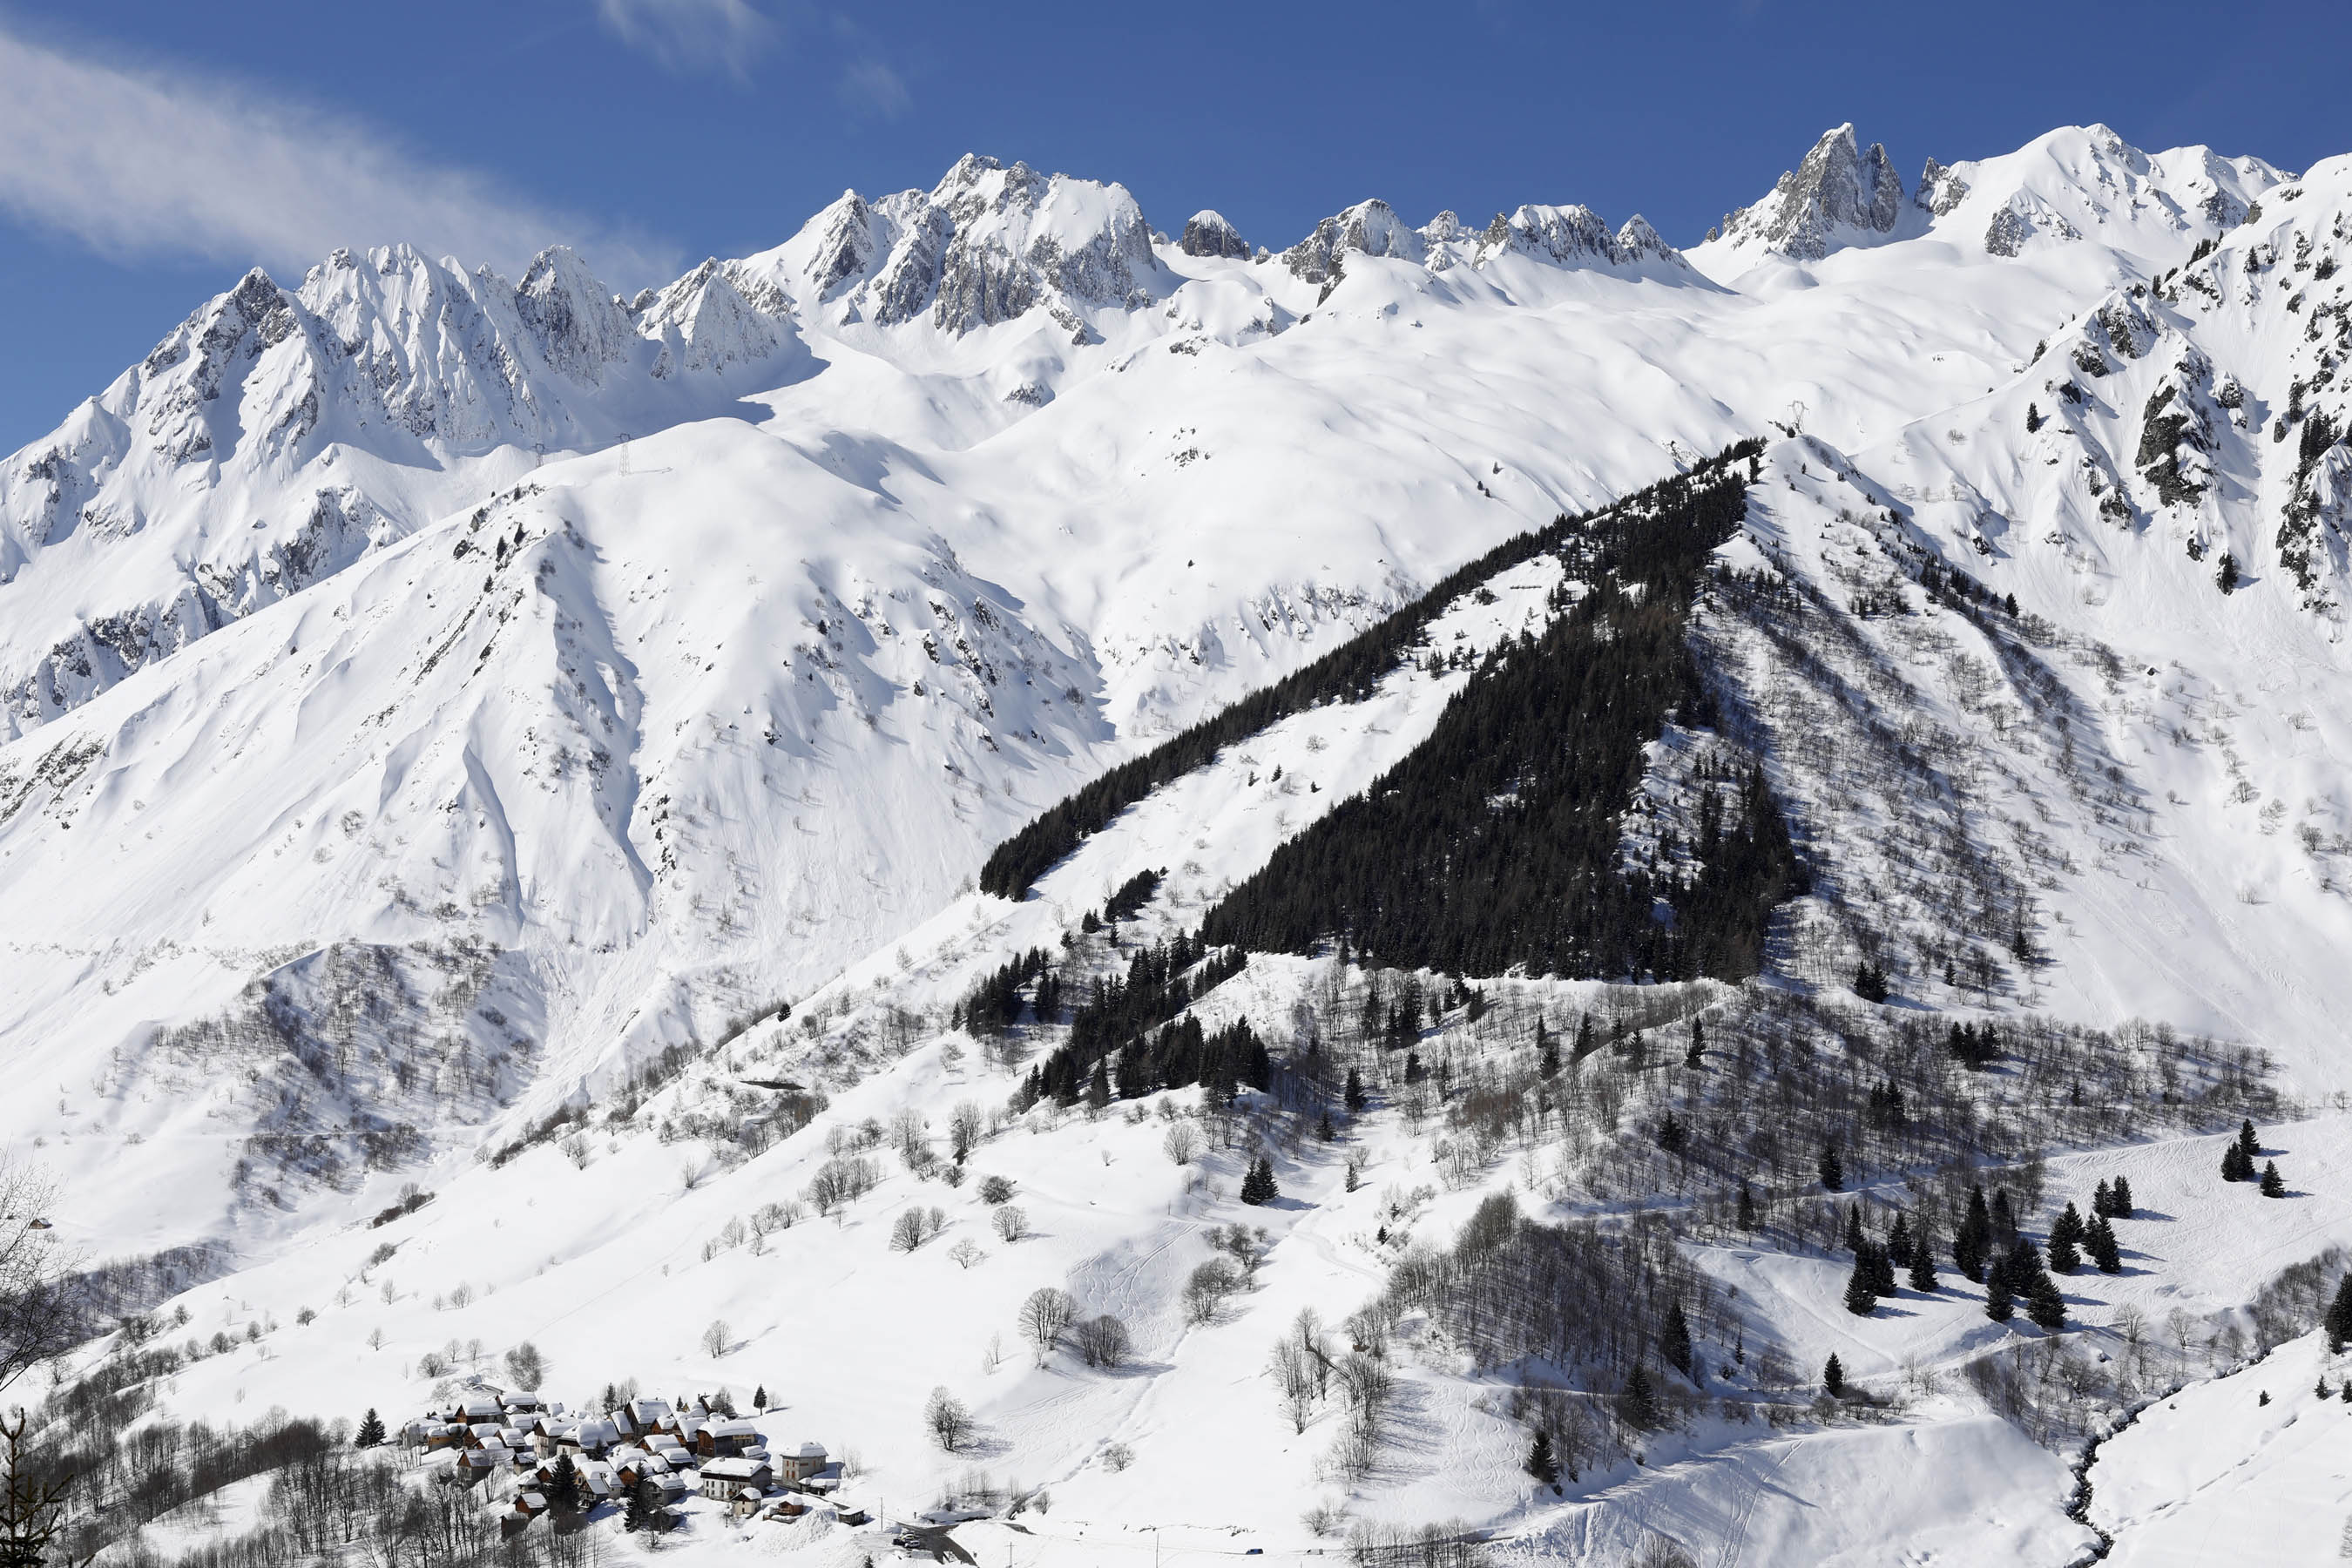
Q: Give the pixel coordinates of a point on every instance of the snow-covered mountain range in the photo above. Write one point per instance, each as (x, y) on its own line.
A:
(438, 707)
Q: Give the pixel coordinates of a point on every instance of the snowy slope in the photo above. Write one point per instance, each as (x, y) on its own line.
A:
(437, 702)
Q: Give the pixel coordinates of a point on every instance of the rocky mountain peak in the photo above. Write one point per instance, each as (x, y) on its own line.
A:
(1839, 195)
(1368, 229)
(1207, 233)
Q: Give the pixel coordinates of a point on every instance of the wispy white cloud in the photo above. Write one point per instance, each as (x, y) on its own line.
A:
(138, 162)
(871, 85)
(723, 35)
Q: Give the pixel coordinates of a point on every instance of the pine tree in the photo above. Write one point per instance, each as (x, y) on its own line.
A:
(2273, 1186)
(1675, 1341)
(1547, 1051)
(2102, 1200)
(1861, 1298)
(2120, 1200)
(2099, 1241)
(1898, 1241)
(1833, 1377)
(1637, 1406)
(2065, 1241)
(1833, 1169)
(562, 1490)
(1972, 1243)
(1881, 1268)
(2338, 1321)
(2045, 1306)
(1923, 1262)
(1258, 1186)
(1541, 1463)
(1746, 1207)
(1999, 1305)
(371, 1432)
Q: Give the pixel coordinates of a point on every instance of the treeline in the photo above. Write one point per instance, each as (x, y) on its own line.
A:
(1497, 842)
(1346, 674)
(1181, 1055)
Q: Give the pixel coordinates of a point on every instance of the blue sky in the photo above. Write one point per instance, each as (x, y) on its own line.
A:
(151, 150)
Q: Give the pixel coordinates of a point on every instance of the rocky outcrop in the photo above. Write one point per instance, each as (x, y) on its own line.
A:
(1838, 195)
(1368, 229)
(1207, 233)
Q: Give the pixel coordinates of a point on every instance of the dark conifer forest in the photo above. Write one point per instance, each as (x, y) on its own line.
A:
(1496, 843)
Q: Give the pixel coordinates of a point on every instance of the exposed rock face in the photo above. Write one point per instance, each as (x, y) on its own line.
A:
(1838, 195)
(988, 245)
(1207, 233)
(1368, 229)
(1574, 237)
(1940, 190)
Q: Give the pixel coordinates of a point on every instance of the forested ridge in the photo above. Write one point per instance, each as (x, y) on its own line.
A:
(1496, 843)
(1348, 673)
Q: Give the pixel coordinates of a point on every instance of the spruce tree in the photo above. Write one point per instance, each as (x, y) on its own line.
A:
(1746, 1207)
(2236, 1164)
(1898, 1241)
(1999, 1305)
(640, 1513)
(1923, 1262)
(1881, 1268)
(2273, 1184)
(1698, 1051)
(1541, 1463)
(1099, 1087)
(1547, 1052)
(562, 1490)
(1833, 1169)
(1853, 1237)
(1354, 1096)
(2004, 1218)
(2338, 1321)
(2099, 1241)
(1585, 1042)
(2119, 1200)
(1675, 1341)
(760, 1398)
(2102, 1200)
(1258, 1186)
(1325, 1130)
(2065, 1241)
(1861, 1298)
(371, 1432)
(1637, 1406)
(1833, 1377)
(2045, 1306)
(1972, 1243)
(2248, 1142)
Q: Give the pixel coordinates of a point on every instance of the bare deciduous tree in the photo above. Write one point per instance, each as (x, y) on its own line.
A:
(1182, 1142)
(949, 1419)
(1205, 1291)
(1045, 1315)
(1011, 1223)
(716, 1339)
(1104, 1342)
(526, 1367)
(36, 1318)
(966, 1127)
(967, 1253)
